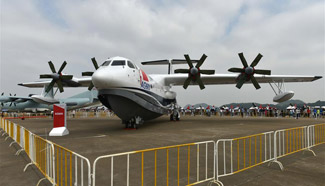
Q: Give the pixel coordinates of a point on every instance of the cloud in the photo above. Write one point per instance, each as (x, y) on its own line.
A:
(290, 35)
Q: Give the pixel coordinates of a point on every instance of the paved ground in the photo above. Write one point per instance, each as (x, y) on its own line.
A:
(95, 137)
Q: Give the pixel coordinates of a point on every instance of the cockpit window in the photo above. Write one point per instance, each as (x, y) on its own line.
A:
(118, 63)
(130, 64)
(106, 63)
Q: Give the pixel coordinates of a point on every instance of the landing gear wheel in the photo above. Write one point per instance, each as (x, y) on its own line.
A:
(177, 117)
(171, 117)
(133, 123)
(174, 116)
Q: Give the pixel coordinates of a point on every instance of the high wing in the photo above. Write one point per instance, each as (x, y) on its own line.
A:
(75, 82)
(216, 79)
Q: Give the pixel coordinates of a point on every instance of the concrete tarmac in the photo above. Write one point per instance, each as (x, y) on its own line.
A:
(94, 137)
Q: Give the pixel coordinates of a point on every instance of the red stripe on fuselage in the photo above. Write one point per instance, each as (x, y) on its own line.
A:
(144, 76)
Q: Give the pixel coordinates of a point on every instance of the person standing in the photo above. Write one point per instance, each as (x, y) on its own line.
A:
(297, 113)
(318, 113)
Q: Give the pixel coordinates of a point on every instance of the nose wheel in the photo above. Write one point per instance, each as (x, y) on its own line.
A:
(133, 123)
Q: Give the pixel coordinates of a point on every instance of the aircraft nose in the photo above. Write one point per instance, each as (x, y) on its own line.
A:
(100, 78)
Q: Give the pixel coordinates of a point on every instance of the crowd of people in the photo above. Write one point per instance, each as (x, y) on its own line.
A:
(306, 112)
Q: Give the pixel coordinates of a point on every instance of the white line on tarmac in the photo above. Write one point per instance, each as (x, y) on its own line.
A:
(99, 136)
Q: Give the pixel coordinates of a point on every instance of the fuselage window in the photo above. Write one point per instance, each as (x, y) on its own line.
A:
(118, 63)
(106, 63)
(130, 64)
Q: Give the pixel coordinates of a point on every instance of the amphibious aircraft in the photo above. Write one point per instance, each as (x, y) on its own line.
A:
(45, 101)
(136, 97)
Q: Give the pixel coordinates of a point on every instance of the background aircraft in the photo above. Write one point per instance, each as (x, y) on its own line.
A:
(45, 101)
(136, 97)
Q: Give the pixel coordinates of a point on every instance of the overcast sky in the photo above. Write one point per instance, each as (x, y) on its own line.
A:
(289, 34)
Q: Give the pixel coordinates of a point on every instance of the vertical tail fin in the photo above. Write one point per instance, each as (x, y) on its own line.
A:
(47, 94)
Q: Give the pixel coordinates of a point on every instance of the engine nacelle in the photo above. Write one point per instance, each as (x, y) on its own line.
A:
(283, 96)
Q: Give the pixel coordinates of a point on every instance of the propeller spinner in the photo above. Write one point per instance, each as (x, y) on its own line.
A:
(91, 86)
(57, 77)
(194, 72)
(247, 72)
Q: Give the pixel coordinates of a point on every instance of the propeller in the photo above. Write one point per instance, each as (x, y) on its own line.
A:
(194, 72)
(91, 86)
(12, 103)
(247, 72)
(57, 77)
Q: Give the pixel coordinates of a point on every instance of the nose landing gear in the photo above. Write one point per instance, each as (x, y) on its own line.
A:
(133, 123)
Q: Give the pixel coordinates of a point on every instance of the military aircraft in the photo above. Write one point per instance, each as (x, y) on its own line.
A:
(136, 97)
(45, 101)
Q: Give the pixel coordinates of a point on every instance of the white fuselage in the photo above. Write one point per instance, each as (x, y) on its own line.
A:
(130, 92)
(124, 76)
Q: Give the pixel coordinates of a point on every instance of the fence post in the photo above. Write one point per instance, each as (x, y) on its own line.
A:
(311, 136)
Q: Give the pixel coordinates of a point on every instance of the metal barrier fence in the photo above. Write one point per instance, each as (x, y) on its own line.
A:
(316, 134)
(186, 164)
(70, 168)
(242, 153)
(55, 162)
(39, 150)
(171, 165)
(101, 114)
(289, 141)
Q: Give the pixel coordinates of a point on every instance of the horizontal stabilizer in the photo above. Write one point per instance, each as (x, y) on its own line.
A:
(166, 62)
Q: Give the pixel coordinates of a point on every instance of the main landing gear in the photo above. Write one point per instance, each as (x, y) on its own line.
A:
(175, 115)
(133, 123)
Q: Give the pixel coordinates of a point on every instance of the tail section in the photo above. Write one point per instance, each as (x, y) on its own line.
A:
(49, 94)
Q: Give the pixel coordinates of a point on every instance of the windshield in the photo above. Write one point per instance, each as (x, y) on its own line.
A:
(106, 63)
(118, 63)
(130, 64)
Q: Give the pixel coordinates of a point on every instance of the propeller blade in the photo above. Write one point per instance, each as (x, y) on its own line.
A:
(52, 67)
(201, 61)
(62, 67)
(87, 73)
(45, 76)
(10, 94)
(207, 71)
(188, 60)
(1, 104)
(240, 82)
(66, 77)
(95, 63)
(60, 86)
(241, 70)
(243, 60)
(50, 86)
(14, 104)
(187, 82)
(255, 83)
(256, 60)
(182, 71)
(265, 72)
(199, 81)
(91, 86)
(2, 93)
(10, 104)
